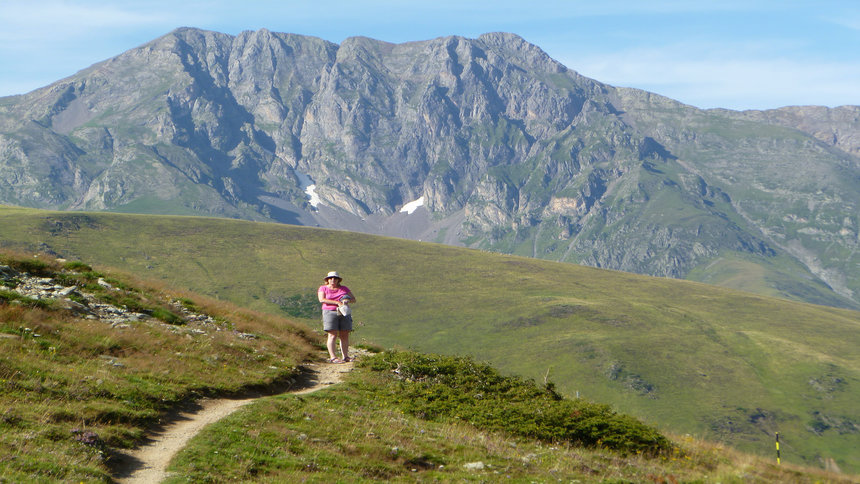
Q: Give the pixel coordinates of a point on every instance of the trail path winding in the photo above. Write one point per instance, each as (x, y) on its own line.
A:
(148, 463)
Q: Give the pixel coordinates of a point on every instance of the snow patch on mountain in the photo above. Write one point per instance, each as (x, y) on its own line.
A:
(309, 188)
(412, 206)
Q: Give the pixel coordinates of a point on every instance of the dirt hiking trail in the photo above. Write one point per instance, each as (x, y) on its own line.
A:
(148, 463)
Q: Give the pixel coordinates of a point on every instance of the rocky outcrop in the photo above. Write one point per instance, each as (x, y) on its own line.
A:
(838, 127)
(87, 305)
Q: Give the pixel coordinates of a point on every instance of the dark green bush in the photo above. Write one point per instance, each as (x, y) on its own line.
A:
(440, 387)
(9, 297)
(85, 279)
(92, 275)
(34, 266)
(77, 266)
(117, 284)
(66, 279)
(133, 304)
(188, 304)
(167, 316)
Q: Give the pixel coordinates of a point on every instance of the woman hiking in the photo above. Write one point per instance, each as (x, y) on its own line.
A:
(336, 315)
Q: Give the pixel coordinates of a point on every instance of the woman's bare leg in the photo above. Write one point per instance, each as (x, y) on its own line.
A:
(344, 344)
(331, 343)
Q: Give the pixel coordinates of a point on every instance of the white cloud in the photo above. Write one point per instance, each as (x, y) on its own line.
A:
(41, 42)
(56, 19)
(739, 78)
(851, 21)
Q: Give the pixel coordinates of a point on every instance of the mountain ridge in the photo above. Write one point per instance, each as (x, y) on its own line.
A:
(508, 150)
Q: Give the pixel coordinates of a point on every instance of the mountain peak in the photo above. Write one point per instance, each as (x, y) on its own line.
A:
(508, 148)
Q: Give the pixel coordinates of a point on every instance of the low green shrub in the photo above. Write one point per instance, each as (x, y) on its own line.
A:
(86, 279)
(91, 275)
(443, 387)
(33, 266)
(77, 266)
(167, 316)
(13, 297)
(188, 304)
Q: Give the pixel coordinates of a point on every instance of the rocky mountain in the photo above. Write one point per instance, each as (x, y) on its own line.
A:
(484, 142)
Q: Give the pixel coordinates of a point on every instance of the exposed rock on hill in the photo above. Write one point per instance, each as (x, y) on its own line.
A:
(85, 304)
(509, 149)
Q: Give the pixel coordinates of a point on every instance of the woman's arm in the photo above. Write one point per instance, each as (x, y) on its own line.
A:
(322, 299)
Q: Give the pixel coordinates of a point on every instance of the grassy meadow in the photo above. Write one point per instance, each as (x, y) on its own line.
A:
(690, 358)
(364, 431)
(74, 388)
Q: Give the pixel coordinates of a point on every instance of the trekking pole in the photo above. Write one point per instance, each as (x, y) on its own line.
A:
(777, 448)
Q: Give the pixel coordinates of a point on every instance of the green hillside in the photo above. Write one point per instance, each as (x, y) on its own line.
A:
(688, 357)
(92, 362)
(92, 372)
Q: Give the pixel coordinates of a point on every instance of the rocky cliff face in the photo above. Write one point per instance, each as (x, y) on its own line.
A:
(504, 148)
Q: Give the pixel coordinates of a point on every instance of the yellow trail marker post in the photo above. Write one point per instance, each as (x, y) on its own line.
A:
(777, 448)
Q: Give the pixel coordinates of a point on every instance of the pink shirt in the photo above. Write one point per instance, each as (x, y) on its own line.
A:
(333, 294)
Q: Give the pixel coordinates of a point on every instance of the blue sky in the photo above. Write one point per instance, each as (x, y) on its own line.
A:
(750, 54)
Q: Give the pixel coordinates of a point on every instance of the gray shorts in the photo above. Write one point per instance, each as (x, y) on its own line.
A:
(334, 321)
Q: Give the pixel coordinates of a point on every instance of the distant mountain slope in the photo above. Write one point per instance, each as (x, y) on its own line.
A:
(499, 147)
(691, 358)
